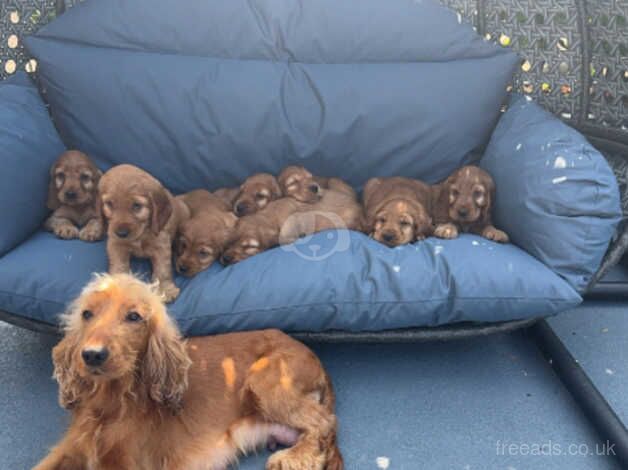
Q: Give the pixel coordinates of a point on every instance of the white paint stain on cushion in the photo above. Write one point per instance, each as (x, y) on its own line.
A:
(382, 462)
(560, 162)
(518, 147)
(396, 268)
(560, 179)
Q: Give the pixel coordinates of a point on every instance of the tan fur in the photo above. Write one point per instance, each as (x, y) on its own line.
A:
(137, 204)
(298, 183)
(463, 203)
(334, 210)
(78, 217)
(227, 195)
(255, 193)
(202, 238)
(397, 210)
(158, 402)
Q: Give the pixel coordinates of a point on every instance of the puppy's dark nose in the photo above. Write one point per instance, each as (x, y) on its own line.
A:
(240, 208)
(314, 188)
(463, 212)
(122, 232)
(183, 268)
(70, 195)
(226, 259)
(388, 236)
(95, 357)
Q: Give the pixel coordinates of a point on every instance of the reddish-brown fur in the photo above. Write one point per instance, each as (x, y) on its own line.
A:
(259, 231)
(202, 238)
(463, 202)
(297, 182)
(73, 198)
(157, 402)
(397, 210)
(255, 194)
(143, 219)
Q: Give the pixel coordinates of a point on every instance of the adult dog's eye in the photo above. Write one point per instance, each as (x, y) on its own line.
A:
(87, 314)
(133, 317)
(136, 207)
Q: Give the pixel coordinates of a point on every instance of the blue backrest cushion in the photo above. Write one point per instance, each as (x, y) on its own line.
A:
(207, 94)
(30, 144)
(556, 196)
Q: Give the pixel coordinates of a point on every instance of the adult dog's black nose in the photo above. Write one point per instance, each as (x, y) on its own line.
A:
(462, 212)
(240, 208)
(95, 357)
(388, 236)
(70, 195)
(314, 188)
(226, 259)
(122, 232)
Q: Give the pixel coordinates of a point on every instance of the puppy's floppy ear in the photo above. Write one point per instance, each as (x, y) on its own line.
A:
(440, 201)
(422, 221)
(71, 385)
(370, 187)
(166, 363)
(161, 209)
(52, 202)
(275, 190)
(489, 186)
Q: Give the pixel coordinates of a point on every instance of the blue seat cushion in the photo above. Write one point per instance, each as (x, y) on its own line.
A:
(557, 197)
(334, 280)
(30, 145)
(204, 96)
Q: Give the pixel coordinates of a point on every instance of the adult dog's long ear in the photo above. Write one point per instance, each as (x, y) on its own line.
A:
(71, 385)
(166, 363)
(52, 202)
(161, 209)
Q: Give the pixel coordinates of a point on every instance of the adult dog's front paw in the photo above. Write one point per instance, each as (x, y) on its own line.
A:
(495, 234)
(169, 291)
(67, 232)
(448, 231)
(295, 459)
(92, 232)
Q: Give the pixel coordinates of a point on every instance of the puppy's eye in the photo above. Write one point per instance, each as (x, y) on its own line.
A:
(455, 193)
(259, 196)
(133, 316)
(85, 178)
(381, 220)
(60, 175)
(108, 205)
(87, 314)
(404, 223)
(136, 207)
(477, 194)
(203, 253)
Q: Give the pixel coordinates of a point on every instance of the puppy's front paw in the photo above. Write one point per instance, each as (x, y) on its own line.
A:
(67, 232)
(448, 231)
(92, 232)
(169, 291)
(292, 459)
(495, 234)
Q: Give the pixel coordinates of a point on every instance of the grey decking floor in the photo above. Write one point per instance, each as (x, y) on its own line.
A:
(421, 406)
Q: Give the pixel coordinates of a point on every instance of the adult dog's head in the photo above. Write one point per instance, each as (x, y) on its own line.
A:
(255, 194)
(299, 183)
(133, 202)
(118, 331)
(467, 194)
(73, 181)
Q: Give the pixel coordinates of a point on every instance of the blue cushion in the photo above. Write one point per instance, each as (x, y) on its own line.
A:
(205, 95)
(336, 280)
(557, 197)
(30, 145)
